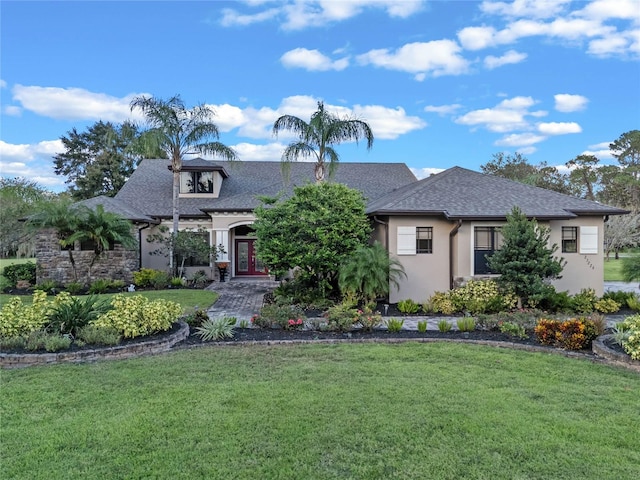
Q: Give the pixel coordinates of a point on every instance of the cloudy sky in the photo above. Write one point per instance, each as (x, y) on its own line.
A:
(441, 83)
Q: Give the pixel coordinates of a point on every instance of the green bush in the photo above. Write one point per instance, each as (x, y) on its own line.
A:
(513, 329)
(633, 303)
(17, 319)
(5, 283)
(482, 296)
(466, 324)
(217, 328)
(606, 305)
(55, 343)
(148, 277)
(628, 336)
(102, 285)
(70, 316)
(74, 288)
(341, 317)
(11, 343)
(368, 319)
(176, 282)
(103, 336)
(618, 296)
(408, 306)
(584, 302)
(281, 315)
(441, 303)
(552, 301)
(394, 325)
(444, 326)
(20, 271)
(196, 318)
(51, 342)
(135, 316)
(47, 286)
(422, 326)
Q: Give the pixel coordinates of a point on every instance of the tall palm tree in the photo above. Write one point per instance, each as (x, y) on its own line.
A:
(178, 131)
(316, 138)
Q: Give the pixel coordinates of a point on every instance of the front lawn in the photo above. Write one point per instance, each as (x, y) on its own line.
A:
(443, 411)
(187, 298)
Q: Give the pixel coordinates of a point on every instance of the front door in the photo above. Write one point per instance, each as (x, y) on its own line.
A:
(246, 261)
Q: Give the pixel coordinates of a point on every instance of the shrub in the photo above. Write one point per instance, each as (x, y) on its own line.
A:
(74, 288)
(198, 279)
(422, 326)
(148, 277)
(260, 321)
(20, 271)
(17, 319)
(135, 316)
(102, 285)
(618, 296)
(553, 301)
(281, 314)
(513, 329)
(606, 305)
(55, 343)
(369, 319)
(116, 284)
(633, 303)
(5, 283)
(69, 316)
(176, 282)
(584, 301)
(441, 303)
(466, 324)
(197, 317)
(572, 334)
(408, 306)
(36, 340)
(481, 297)
(444, 326)
(12, 343)
(394, 325)
(342, 316)
(630, 339)
(217, 328)
(94, 335)
(47, 286)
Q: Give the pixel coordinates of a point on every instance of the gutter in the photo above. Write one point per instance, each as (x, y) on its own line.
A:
(452, 234)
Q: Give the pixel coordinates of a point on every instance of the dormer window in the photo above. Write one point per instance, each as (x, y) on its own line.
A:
(196, 182)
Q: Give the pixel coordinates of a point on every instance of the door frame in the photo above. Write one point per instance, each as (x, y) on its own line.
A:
(252, 263)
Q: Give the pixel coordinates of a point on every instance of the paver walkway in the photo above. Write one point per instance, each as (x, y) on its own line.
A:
(242, 298)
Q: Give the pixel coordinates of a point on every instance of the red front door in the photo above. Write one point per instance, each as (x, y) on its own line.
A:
(246, 261)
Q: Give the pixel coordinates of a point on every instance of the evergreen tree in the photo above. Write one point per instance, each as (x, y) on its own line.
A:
(525, 262)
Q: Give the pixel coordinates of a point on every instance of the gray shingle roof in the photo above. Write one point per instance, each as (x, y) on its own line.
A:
(119, 207)
(150, 187)
(459, 193)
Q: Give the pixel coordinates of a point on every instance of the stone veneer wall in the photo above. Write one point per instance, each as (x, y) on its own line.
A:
(54, 264)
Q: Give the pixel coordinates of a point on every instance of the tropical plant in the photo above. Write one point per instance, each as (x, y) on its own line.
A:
(317, 138)
(217, 328)
(408, 306)
(631, 268)
(394, 325)
(177, 131)
(422, 326)
(466, 324)
(70, 316)
(444, 326)
(369, 272)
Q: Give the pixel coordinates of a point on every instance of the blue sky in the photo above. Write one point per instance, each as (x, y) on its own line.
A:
(442, 83)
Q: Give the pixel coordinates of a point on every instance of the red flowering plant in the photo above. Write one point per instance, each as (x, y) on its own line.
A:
(294, 324)
(368, 319)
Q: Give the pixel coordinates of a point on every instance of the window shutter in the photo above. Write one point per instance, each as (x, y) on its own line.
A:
(589, 240)
(406, 240)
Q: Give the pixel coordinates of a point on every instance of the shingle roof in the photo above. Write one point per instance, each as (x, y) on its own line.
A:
(114, 205)
(149, 189)
(458, 193)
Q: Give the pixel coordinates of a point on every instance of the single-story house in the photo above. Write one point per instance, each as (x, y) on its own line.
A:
(440, 228)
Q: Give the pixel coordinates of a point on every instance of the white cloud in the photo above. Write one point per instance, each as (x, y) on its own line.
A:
(510, 57)
(525, 8)
(388, 123)
(559, 128)
(31, 161)
(566, 102)
(526, 150)
(300, 14)
(269, 152)
(312, 60)
(436, 58)
(425, 172)
(12, 111)
(520, 140)
(74, 103)
(608, 9)
(477, 38)
(443, 109)
(3, 84)
(507, 116)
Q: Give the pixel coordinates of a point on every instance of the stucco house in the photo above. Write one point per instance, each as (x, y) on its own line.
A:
(440, 228)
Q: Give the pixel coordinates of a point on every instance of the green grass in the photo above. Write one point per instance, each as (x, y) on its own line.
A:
(187, 298)
(9, 261)
(375, 411)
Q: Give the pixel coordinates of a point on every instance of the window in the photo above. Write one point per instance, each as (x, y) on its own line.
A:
(486, 240)
(201, 260)
(569, 239)
(196, 182)
(424, 239)
(412, 240)
(90, 245)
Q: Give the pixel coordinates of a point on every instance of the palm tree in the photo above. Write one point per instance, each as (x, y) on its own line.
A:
(102, 229)
(316, 138)
(178, 131)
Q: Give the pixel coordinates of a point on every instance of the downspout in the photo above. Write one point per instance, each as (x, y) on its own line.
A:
(452, 234)
(140, 244)
(386, 231)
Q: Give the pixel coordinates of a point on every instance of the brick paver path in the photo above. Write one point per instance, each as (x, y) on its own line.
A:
(240, 298)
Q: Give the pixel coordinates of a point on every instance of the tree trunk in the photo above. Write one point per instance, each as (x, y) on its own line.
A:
(175, 213)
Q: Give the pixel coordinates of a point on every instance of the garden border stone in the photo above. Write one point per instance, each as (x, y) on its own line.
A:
(118, 352)
(599, 347)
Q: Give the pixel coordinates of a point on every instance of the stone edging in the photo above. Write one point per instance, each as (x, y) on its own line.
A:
(14, 360)
(613, 357)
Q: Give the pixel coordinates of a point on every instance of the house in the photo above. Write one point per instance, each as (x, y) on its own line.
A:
(440, 228)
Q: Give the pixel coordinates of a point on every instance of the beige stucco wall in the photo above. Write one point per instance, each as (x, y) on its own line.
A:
(427, 273)
(582, 270)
